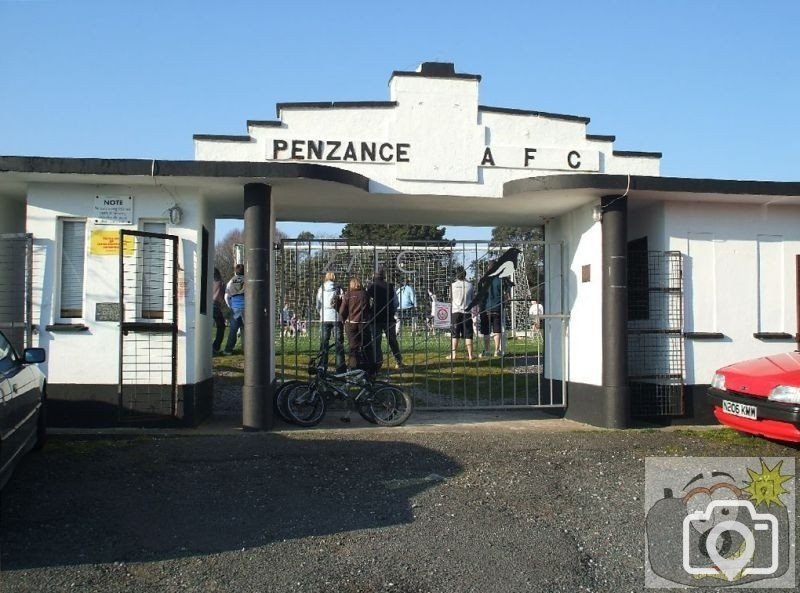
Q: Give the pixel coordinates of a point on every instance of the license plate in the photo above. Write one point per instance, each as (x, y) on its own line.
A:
(738, 409)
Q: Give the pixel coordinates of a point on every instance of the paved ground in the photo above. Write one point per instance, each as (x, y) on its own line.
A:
(482, 506)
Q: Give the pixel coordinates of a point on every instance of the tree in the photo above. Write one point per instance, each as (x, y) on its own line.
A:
(224, 251)
(305, 236)
(392, 233)
(515, 234)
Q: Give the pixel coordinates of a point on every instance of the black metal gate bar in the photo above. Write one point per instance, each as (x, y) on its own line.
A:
(16, 299)
(148, 316)
(655, 333)
(436, 381)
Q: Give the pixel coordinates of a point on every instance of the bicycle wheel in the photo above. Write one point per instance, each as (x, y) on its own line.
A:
(279, 401)
(390, 405)
(305, 406)
(366, 413)
(363, 406)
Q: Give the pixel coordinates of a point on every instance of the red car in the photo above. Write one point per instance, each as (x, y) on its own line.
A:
(760, 396)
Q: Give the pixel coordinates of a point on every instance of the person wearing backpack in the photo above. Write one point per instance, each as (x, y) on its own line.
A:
(328, 296)
(234, 298)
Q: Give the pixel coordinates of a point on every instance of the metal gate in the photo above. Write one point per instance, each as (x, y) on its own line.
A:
(148, 315)
(528, 373)
(655, 333)
(16, 271)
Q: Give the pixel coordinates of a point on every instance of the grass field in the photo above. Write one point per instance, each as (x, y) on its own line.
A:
(430, 376)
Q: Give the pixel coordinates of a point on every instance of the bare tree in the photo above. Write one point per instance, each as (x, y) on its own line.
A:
(224, 251)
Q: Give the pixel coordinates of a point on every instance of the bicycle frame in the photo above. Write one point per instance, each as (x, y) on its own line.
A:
(327, 383)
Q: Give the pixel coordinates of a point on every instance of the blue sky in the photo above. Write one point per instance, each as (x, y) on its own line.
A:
(714, 85)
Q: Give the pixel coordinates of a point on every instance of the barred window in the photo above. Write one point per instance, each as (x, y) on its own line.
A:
(73, 257)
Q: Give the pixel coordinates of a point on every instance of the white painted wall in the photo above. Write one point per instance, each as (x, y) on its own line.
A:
(440, 120)
(91, 357)
(739, 279)
(582, 239)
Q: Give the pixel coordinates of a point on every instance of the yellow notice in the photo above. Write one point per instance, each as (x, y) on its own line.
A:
(107, 243)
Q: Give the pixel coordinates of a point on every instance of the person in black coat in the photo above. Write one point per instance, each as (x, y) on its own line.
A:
(384, 306)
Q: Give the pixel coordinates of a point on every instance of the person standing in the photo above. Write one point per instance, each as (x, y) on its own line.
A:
(356, 314)
(492, 315)
(407, 304)
(384, 305)
(461, 293)
(330, 322)
(218, 299)
(234, 298)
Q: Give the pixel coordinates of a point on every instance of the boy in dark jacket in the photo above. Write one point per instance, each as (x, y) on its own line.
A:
(384, 305)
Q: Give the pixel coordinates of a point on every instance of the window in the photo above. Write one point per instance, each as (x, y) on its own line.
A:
(73, 255)
(8, 359)
(638, 280)
(153, 267)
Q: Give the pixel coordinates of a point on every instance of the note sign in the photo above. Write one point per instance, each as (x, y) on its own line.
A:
(113, 210)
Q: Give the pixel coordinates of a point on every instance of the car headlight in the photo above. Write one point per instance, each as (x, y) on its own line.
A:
(786, 394)
(718, 382)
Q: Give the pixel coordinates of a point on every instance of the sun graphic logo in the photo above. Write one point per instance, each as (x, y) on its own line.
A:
(767, 486)
(717, 522)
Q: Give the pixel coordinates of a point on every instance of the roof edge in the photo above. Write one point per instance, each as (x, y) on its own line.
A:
(333, 105)
(637, 153)
(601, 137)
(222, 137)
(167, 168)
(511, 111)
(619, 183)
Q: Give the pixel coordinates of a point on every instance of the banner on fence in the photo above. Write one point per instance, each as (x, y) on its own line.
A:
(441, 315)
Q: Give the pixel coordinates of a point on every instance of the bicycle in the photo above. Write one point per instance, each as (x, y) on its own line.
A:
(378, 402)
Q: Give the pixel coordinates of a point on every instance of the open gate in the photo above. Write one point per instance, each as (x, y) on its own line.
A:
(655, 333)
(527, 374)
(148, 337)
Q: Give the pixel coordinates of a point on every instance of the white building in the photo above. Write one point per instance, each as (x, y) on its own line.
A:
(431, 154)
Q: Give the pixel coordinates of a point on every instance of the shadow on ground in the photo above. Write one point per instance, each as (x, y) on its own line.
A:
(140, 498)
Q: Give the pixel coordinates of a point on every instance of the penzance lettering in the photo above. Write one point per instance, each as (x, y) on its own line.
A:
(336, 150)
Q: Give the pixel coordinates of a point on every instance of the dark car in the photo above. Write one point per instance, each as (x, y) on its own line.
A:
(22, 405)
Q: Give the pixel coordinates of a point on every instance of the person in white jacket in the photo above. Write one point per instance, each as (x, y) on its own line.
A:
(330, 322)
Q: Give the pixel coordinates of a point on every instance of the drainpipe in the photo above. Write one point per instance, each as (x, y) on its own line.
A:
(257, 391)
(616, 391)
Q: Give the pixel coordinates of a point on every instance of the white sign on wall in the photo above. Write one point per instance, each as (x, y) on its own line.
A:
(113, 209)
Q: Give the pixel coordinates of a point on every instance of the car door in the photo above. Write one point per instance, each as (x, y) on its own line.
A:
(17, 400)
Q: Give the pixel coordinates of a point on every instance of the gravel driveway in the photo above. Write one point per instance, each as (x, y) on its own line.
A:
(343, 511)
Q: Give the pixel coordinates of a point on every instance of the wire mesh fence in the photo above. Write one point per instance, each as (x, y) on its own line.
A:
(504, 373)
(655, 333)
(148, 305)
